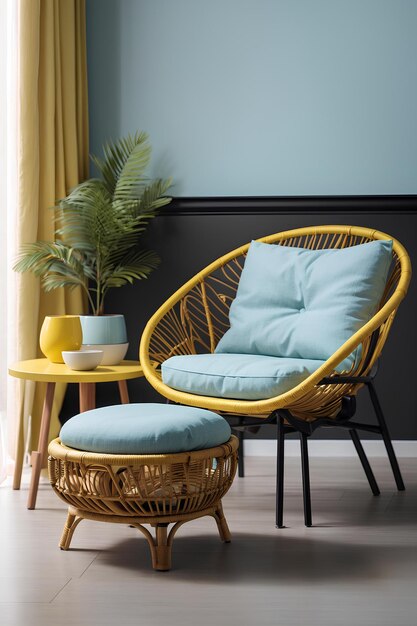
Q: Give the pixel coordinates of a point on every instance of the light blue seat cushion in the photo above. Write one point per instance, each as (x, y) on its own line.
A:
(239, 376)
(299, 303)
(145, 429)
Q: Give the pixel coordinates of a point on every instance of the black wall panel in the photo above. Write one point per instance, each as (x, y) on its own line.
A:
(194, 232)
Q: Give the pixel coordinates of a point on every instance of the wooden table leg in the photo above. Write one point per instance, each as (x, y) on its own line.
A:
(124, 394)
(87, 393)
(39, 456)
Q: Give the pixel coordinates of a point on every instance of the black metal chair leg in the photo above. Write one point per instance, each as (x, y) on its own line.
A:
(280, 474)
(365, 463)
(240, 459)
(386, 437)
(306, 479)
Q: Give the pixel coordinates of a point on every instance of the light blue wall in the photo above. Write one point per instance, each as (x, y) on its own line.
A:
(261, 97)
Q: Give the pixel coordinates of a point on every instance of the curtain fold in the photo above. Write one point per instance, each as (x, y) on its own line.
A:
(52, 158)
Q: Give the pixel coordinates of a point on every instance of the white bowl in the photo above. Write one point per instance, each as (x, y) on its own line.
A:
(82, 359)
(113, 353)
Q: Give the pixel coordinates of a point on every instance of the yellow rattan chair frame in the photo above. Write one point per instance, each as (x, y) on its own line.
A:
(195, 317)
(158, 489)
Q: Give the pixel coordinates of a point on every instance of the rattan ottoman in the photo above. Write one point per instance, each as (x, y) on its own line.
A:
(138, 489)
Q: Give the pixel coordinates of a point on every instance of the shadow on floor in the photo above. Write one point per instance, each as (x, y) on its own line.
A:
(202, 559)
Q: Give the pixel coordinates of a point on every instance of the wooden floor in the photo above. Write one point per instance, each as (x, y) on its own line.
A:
(356, 567)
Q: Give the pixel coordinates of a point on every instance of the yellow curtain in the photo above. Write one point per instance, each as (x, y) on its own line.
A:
(52, 158)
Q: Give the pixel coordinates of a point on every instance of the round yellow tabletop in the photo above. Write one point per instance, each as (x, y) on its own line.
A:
(42, 370)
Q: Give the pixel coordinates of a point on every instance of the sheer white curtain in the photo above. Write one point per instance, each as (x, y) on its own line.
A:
(8, 198)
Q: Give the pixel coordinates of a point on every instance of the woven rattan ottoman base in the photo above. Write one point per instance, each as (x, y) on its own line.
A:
(158, 490)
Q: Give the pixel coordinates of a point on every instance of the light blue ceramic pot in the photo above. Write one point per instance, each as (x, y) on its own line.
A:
(103, 329)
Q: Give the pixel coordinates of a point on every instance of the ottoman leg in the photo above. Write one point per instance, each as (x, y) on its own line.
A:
(161, 558)
(160, 546)
(70, 525)
(224, 531)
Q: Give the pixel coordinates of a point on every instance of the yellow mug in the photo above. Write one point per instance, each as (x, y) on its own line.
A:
(58, 333)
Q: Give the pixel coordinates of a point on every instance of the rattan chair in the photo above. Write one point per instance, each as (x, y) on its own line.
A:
(195, 318)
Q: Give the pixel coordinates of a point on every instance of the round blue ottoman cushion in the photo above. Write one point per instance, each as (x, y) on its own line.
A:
(145, 429)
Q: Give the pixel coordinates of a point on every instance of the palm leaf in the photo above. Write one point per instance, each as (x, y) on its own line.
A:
(135, 267)
(42, 257)
(81, 212)
(56, 281)
(131, 178)
(117, 155)
(91, 223)
(153, 198)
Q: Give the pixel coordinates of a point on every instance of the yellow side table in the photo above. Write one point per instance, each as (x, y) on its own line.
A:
(42, 370)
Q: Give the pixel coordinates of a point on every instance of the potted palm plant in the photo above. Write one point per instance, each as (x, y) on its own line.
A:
(97, 235)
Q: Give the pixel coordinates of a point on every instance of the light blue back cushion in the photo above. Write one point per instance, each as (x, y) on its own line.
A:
(299, 303)
(242, 376)
(145, 429)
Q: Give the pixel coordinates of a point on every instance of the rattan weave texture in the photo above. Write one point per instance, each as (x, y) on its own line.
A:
(143, 489)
